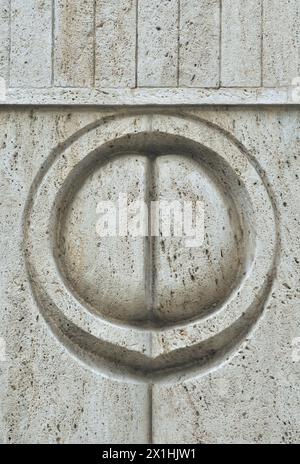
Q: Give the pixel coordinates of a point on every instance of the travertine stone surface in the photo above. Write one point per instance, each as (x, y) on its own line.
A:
(153, 96)
(209, 354)
(115, 44)
(254, 398)
(281, 42)
(238, 49)
(158, 43)
(149, 338)
(199, 43)
(4, 39)
(31, 43)
(74, 43)
(241, 43)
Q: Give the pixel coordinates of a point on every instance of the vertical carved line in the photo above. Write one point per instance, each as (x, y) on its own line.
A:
(220, 45)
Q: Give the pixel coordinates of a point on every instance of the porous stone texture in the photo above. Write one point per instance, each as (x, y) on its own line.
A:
(118, 52)
(73, 47)
(30, 44)
(242, 42)
(149, 338)
(131, 339)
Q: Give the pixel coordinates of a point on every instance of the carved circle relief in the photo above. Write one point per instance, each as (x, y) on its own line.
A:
(150, 308)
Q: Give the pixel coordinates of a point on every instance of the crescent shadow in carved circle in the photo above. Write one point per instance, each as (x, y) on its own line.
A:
(83, 335)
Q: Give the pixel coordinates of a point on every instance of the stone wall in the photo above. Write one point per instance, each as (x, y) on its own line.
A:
(149, 338)
(137, 51)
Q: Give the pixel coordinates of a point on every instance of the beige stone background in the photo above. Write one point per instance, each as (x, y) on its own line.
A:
(137, 51)
(66, 65)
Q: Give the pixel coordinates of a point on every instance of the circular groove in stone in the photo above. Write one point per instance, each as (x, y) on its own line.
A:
(167, 354)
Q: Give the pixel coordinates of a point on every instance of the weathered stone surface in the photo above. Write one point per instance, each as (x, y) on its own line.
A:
(281, 43)
(107, 52)
(174, 335)
(4, 39)
(157, 59)
(254, 396)
(154, 96)
(74, 34)
(46, 395)
(31, 43)
(199, 43)
(213, 327)
(241, 43)
(115, 44)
